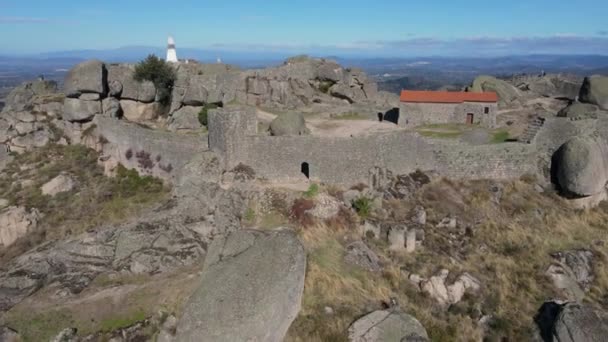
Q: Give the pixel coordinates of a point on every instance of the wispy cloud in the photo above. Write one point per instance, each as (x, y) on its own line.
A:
(23, 20)
(563, 43)
(602, 33)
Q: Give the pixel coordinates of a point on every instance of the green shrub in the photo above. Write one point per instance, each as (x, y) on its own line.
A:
(160, 73)
(249, 215)
(202, 115)
(312, 191)
(363, 206)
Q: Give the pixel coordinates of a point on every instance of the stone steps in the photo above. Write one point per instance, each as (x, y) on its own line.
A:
(535, 124)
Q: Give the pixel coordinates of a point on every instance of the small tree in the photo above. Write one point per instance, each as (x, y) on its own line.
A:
(160, 73)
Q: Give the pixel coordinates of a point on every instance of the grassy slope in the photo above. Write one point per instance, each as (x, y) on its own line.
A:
(95, 200)
(507, 246)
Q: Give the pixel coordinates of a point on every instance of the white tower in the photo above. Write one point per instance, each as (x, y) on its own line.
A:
(171, 53)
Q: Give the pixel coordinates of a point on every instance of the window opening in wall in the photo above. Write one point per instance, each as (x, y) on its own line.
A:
(486, 110)
(305, 169)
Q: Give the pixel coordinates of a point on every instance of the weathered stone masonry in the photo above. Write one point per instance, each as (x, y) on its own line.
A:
(349, 160)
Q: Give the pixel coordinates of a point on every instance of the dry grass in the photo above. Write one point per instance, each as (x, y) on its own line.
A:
(95, 200)
(503, 240)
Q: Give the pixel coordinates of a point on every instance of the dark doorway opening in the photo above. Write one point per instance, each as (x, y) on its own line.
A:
(470, 119)
(380, 117)
(305, 169)
(392, 116)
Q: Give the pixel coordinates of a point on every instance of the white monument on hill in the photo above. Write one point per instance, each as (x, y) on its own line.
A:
(171, 53)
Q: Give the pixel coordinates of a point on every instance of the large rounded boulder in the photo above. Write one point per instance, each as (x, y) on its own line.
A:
(508, 95)
(385, 326)
(595, 91)
(579, 110)
(251, 289)
(86, 77)
(581, 166)
(571, 322)
(123, 85)
(289, 124)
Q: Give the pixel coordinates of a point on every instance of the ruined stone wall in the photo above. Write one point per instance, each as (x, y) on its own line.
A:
(416, 114)
(493, 161)
(336, 160)
(150, 152)
(349, 160)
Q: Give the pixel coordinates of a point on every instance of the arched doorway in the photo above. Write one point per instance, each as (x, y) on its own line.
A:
(305, 169)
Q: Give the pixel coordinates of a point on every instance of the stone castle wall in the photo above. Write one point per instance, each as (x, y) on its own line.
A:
(349, 160)
(416, 114)
(150, 152)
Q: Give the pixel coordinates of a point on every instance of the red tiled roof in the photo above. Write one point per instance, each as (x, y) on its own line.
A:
(447, 96)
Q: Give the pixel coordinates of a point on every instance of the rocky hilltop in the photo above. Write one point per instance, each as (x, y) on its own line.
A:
(118, 223)
(94, 88)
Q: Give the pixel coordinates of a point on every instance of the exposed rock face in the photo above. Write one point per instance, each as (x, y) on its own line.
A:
(16, 222)
(59, 184)
(555, 86)
(581, 166)
(111, 107)
(86, 77)
(572, 273)
(29, 95)
(9, 335)
(357, 253)
(199, 84)
(302, 81)
(289, 124)
(508, 95)
(186, 118)
(571, 322)
(76, 110)
(595, 91)
(385, 326)
(122, 84)
(138, 111)
(579, 110)
(444, 294)
(250, 290)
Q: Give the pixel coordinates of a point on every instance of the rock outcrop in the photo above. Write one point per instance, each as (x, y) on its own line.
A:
(385, 326)
(556, 86)
(123, 86)
(572, 273)
(581, 166)
(289, 124)
(86, 77)
(31, 96)
(251, 288)
(571, 322)
(185, 119)
(57, 185)
(595, 91)
(16, 222)
(579, 110)
(508, 95)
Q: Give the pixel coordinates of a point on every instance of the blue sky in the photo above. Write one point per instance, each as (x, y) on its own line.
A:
(380, 27)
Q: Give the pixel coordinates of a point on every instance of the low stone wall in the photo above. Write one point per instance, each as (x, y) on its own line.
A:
(496, 161)
(335, 160)
(150, 152)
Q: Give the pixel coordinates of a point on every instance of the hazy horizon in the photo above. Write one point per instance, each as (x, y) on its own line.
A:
(388, 28)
